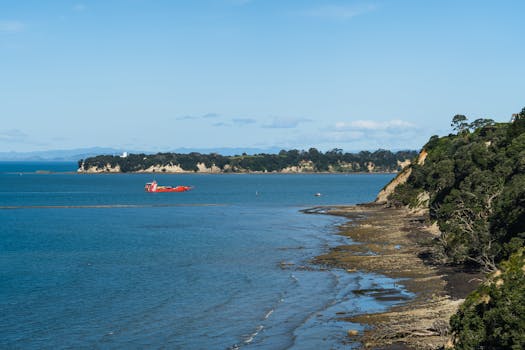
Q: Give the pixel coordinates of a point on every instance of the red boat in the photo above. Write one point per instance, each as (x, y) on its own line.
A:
(154, 187)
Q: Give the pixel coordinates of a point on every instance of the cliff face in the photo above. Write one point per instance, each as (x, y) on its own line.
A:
(106, 168)
(303, 167)
(169, 168)
(400, 179)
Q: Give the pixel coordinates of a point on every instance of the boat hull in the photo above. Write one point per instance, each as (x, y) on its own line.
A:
(154, 187)
(173, 189)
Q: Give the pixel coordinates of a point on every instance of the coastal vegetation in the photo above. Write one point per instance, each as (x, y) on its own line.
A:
(472, 183)
(294, 160)
(492, 317)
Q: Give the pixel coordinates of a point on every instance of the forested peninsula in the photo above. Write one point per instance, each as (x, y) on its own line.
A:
(471, 186)
(292, 161)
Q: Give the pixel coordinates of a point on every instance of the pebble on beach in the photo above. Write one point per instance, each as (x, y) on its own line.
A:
(353, 333)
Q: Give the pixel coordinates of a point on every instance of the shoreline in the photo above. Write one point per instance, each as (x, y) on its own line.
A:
(395, 242)
(237, 173)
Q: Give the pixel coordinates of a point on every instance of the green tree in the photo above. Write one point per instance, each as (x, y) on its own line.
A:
(493, 317)
(480, 122)
(459, 123)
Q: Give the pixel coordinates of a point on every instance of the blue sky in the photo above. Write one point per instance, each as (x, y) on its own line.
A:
(158, 75)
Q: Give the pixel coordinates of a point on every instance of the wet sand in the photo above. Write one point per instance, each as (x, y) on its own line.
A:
(395, 243)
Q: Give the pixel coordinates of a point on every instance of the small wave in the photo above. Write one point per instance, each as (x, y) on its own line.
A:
(254, 334)
(268, 314)
(258, 329)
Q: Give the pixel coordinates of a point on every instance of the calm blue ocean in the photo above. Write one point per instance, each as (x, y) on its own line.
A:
(92, 261)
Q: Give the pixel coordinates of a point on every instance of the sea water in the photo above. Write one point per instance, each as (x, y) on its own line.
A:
(93, 261)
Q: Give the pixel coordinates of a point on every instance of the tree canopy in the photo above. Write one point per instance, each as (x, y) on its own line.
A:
(475, 184)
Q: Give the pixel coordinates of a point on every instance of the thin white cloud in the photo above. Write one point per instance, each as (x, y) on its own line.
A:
(369, 134)
(221, 124)
(285, 123)
(219, 120)
(344, 136)
(243, 121)
(211, 115)
(79, 8)
(239, 2)
(395, 124)
(339, 12)
(187, 117)
(12, 135)
(12, 26)
(196, 117)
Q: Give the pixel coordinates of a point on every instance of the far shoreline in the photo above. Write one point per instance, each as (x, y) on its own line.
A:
(76, 171)
(240, 173)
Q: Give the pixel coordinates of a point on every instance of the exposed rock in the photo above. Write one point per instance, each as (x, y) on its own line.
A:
(202, 168)
(304, 167)
(353, 333)
(95, 170)
(404, 164)
(422, 156)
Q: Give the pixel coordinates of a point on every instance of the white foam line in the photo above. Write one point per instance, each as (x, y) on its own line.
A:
(268, 314)
(252, 337)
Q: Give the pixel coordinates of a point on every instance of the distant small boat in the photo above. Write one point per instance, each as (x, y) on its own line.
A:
(318, 194)
(154, 187)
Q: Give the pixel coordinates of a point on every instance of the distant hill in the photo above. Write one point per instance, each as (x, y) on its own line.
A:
(71, 155)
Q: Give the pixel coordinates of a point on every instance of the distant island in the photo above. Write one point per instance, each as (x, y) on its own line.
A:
(292, 161)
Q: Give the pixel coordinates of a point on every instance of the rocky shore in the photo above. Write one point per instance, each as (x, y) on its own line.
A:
(395, 242)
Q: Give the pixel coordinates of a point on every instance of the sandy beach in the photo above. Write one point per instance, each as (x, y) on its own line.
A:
(395, 242)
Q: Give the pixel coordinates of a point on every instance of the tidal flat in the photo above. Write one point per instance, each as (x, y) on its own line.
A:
(395, 242)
